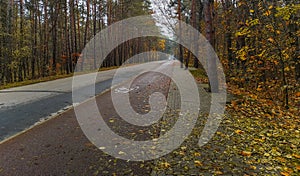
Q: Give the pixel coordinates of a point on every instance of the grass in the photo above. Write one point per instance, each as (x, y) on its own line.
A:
(45, 79)
(200, 75)
(34, 81)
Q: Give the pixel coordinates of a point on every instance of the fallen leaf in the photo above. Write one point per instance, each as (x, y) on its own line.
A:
(197, 154)
(198, 163)
(183, 148)
(182, 153)
(259, 89)
(282, 160)
(218, 173)
(288, 156)
(284, 173)
(89, 144)
(246, 153)
(165, 165)
(268, 13)
(239, 131)
(271, 40)
(296, 156)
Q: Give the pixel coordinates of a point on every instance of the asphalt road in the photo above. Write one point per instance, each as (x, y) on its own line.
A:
(60, 146)
(23, 107)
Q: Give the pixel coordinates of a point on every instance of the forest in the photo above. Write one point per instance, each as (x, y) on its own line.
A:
(257, 41)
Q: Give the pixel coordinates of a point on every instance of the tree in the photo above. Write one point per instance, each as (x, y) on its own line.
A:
(210, 32)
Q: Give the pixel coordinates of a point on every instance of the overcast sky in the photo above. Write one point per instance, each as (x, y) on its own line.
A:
(164, 21)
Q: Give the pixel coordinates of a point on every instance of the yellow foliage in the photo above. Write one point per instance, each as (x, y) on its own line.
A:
(162, 44)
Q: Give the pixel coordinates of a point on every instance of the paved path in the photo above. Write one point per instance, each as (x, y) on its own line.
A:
(23, 107)
(59, 147)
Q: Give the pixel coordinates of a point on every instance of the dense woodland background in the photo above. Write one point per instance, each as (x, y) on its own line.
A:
(257, 41)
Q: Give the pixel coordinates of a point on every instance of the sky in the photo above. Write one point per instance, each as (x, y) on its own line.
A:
(163, 20)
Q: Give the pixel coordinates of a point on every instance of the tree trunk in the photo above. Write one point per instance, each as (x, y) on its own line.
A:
(86, 31)
(180, 34)
(210, 34)
(46, 40)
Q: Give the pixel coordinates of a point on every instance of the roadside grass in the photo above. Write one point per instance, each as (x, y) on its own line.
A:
(34, 81)
(48, 78)
(199, 75)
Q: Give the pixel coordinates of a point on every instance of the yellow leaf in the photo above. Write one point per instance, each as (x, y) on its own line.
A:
(296, 156)
(198, 163)
(268, 13)
(287, 69)
(284, 173)
(282, 160)
(271, 40)
(259, 89)
(252, 11)
(297, 94)
(246, 153)
(276, 62)
(218, 173)
(298, 167)
(288, 156)
(239, 131)
(165, 165)
(197, 154)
